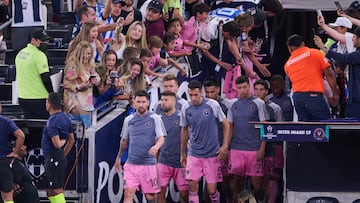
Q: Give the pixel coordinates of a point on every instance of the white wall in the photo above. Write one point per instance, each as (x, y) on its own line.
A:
(314, 4)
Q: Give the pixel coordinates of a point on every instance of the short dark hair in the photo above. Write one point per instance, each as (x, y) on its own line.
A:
(200, 8)
(262, 82)
(168, 93)
(242, 79)
(145, 52)
(210, 82)
(136, 61)
(277, 78)
(352, 12)
(155, 41)
(339, 65)
(272, 6)
(357, 31)
(233, 28)
(56, 100)
(142, 93)
(83, 11)
(193, 84)
(171, 21)
(131, 52)
(295, 40)
(168, 38)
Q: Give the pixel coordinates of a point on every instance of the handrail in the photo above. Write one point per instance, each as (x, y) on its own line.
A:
(4, 25)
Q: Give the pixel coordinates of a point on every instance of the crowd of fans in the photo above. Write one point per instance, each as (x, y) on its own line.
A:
(119, 49)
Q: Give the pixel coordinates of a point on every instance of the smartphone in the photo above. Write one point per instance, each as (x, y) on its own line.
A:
(120, 20)
(92, 76)
(314, 31)
(319, 13)
(338, 6)
(113, 76)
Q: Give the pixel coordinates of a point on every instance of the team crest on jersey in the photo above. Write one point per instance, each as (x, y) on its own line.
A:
(176, 123)
(148, 124)
(34, 162)
(206, 112)
(252, 107)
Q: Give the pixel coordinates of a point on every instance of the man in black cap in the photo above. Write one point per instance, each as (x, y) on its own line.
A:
(33, 76)
(154, 23)
(353, 60)
(305, 68)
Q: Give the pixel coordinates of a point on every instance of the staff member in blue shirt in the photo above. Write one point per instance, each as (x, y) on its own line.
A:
(57, 141)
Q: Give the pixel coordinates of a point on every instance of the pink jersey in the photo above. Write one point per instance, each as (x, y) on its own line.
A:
(154, 62)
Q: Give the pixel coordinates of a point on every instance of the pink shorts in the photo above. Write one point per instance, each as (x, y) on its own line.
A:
(141, 177)
(268, 165)
(244, 163)
(178, 174)
(210, 168)
(224, 168)
(279, 157)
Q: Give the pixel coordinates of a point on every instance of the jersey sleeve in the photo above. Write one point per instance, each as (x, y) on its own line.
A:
(159, 127)
(125, 131)
(218, 113)
(42, 65)
(230, 113)
(12, 127)
(183, 121)
(277, 111)
(322, 60)
(262, 113)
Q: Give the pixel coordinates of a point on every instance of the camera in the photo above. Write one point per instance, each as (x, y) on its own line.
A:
(113, 76)
(338, 6)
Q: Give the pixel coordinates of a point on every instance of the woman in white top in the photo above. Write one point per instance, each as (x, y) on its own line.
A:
(89, 33)
(135, 37)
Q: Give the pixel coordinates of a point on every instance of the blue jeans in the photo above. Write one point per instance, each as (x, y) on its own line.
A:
(311, 106)
(84, 118)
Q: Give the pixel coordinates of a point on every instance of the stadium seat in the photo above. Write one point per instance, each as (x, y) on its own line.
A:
(67, 18)
(322, 200)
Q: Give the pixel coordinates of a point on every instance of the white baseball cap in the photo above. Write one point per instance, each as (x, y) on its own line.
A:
(341, 21)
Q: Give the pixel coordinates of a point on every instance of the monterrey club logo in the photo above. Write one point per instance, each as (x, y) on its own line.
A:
(34, 162)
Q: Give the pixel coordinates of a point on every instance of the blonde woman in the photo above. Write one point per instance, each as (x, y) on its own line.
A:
(80, 77)
(135, 37)
(89, 33)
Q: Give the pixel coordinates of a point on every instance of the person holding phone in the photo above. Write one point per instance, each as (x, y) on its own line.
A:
(79, 80)
(337, 31)
(353, 61)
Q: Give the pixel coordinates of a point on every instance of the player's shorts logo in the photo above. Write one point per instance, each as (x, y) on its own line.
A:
(319, 134)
